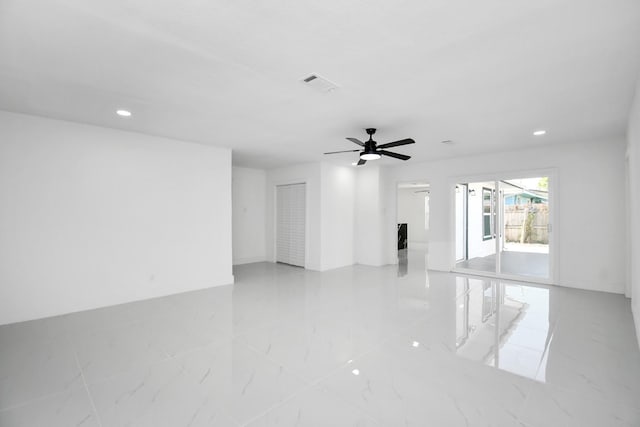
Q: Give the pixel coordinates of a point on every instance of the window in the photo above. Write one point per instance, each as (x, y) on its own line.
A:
(487, 213)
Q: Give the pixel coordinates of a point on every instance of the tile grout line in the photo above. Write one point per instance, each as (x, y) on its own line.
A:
(30, 401)
(307, 385)
(278, 404)
(86, 386)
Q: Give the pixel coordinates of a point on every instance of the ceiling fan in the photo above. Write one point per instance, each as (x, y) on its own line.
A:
(372, 151)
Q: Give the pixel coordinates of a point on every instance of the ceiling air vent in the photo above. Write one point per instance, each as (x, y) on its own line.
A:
(319, 83)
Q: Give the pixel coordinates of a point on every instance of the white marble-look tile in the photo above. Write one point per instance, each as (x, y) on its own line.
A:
(68, 408)
(285, 346)
(314, 407)
(160, 395)
(241, 380)
(30, 370)
(518, 360)
(598, 380)
(233, 310)
(180, 333)
(395, 394)
(315, 348)
(109, 352)
(86, 322)
(547, 405)
(34, 331)
(225, 381)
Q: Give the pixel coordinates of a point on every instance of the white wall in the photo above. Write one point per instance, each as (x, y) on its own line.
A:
(249, 215)
(590, 242)
(370, 217)
(338, 215)
(460, 222)
(411, 210)
(308, 173)
(330, 212)
(93, 217)
(633, 156)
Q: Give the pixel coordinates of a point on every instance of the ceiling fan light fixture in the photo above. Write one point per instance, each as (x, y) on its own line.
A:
(370, 156)
(372, 151)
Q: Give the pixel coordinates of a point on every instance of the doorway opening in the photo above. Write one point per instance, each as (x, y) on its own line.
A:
(413, 224)
(503, 227)
(291, 224)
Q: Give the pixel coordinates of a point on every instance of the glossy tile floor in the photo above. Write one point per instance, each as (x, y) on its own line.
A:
(531, 264)
(356, 346)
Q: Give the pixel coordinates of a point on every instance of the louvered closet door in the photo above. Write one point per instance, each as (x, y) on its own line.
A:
(291, 200)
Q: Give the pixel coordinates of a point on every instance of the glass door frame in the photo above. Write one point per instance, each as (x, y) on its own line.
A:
(499, 224)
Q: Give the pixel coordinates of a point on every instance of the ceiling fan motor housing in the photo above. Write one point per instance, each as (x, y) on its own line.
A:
(370, 145)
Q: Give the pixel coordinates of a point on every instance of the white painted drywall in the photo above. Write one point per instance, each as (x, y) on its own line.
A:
(370, 217)
(633, 203)
(411, 211)
(460, 222)
(330, 212)
(590, 242)
(249, 215)
(338, 215)
(308, 173)
(92, 217)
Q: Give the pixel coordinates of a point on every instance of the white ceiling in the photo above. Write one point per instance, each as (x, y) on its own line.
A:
(484, 74)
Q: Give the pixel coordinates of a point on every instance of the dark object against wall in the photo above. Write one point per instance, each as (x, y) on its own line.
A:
(402, 236)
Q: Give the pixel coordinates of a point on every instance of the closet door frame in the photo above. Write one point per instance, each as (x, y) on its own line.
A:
(306, 218)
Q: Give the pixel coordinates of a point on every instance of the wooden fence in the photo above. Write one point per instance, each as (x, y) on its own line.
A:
(530, 220)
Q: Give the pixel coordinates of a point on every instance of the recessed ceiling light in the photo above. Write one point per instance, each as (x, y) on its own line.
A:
(356, 372)
(123, 113)
(354, 164)
(539, 132)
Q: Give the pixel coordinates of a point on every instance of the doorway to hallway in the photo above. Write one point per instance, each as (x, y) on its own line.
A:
(412, 223)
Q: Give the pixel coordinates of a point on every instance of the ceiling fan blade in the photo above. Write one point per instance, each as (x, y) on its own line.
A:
(395, 155)
(361, 162)
(344, 151)
(356, 141)
(397, 143)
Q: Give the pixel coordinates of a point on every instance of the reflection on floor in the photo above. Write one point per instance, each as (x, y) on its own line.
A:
(352, 346)
(495, 326)
(417, 259)
(530, 264)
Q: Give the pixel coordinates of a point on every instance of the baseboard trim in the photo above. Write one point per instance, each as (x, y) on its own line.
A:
(249, 260)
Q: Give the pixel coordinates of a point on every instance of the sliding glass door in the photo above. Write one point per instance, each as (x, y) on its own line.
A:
(503, 227)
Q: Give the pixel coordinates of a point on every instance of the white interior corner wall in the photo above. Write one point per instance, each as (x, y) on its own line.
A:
(633, 200)
(338, 215)
(249, 215)
(309, 173)
(590, 242)
(92, 217)
(371, 216)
